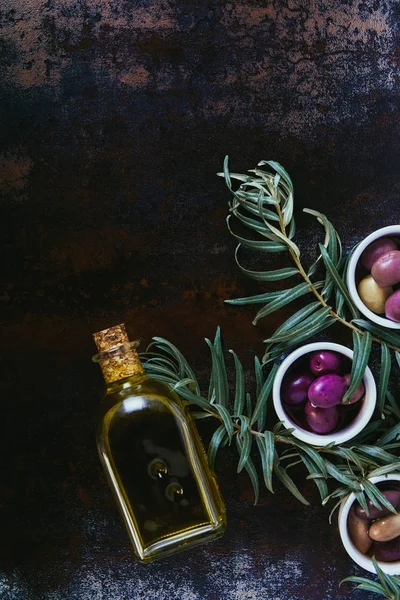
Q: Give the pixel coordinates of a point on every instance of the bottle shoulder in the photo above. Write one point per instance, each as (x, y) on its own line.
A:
(142, 394)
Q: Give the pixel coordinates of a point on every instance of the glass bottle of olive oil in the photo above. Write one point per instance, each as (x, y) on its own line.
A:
(153, 457)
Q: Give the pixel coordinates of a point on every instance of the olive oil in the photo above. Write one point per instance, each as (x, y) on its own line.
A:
(153, 457)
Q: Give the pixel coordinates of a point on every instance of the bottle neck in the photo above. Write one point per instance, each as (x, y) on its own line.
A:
(120, 362)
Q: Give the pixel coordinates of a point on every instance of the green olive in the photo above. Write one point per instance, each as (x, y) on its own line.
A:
(373, 296)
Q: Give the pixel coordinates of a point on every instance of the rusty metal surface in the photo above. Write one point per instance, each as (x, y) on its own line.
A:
(115, 118)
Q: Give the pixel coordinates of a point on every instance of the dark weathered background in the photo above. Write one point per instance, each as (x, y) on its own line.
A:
(116, 116)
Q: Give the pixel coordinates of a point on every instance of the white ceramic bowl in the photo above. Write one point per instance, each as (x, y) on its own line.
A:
(343, 435)
(392, 230)
(391, 568)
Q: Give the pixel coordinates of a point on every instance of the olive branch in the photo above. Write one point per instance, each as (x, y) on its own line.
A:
(264, 204)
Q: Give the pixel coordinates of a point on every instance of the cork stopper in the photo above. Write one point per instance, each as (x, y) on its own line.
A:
(117, 355)
(111, 337)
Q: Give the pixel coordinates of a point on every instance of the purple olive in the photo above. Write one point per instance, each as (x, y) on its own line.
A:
(327, 390)
(321, 420)
(386, 551)
(376, 513)
(386, 270)
(375, 250)
(295, 387)
(324, 361)
(392, 307)
(357, 394)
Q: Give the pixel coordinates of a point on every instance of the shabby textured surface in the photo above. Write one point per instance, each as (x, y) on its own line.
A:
(116, 115)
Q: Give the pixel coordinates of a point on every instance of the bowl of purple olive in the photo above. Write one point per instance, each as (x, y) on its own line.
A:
(375, 532)
(373, 277)
(309, 394)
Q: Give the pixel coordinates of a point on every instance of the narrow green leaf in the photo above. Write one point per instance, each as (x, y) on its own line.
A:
(314, 456)
(305, 335)
(376, 496)
(154, 369)
(250, 468)
(333, 247)
(296, 318)
(244, 423)
(224, 391)
(279, 169)
(289, 296)
(292, 229)
(339, 298)
(376, 452)
(259, 384)
(184, 383)
(360, 496)
(276, 275)
(258, 299)
(393, 404)
(264, 394)
(362, 351)
(247, 203)
(214, 445)
(332, 270)
(218, 375)
(226, 419)
(191, 397)
(185, 369)
(349, 455)
(365, 584)
(246, 439)
(259, 375)
(337, 474)
(198, 415)
(340, 492)
(397, 356)
(257, 226)
(263, 246)
(391, 468)
(226, 172)
(315, 319)
(289, 484)
(386, 367)
(386, 580)
(371, 430)
(164, 379)
(312, 469)
(151, 358)
(393, 433)
(266, 447)
(239, 387)
(379, 332)
(249, 404)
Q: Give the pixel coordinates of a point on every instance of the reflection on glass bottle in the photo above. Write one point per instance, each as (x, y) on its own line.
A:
(153, 456)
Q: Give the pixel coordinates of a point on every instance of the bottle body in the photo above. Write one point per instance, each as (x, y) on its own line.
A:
(157, 468)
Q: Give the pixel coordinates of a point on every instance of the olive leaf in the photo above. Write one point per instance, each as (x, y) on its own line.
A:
(264, 394)
(266, 447)
(258, 299)
(264, 246)
(246, 442)
(285, 298)
(386, 366)
(289, 484)
(251, 470)
(239, 387)
(333, 273)
(215, 442)
(276, 275)
(378, 331)
(362, 349)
